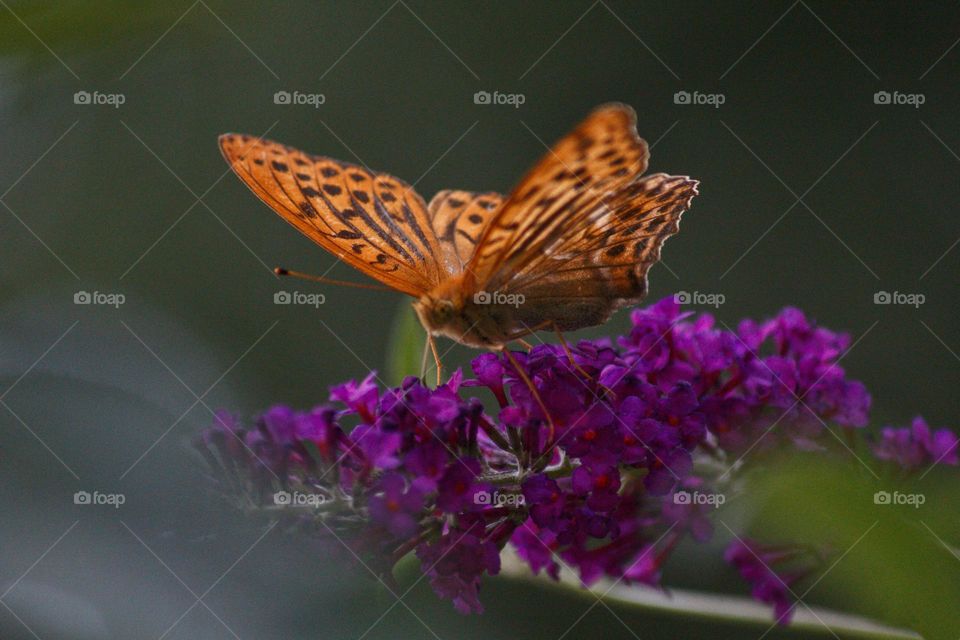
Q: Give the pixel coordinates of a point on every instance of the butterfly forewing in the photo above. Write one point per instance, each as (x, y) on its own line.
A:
(597, 158)
(372, 221)
(577, 237)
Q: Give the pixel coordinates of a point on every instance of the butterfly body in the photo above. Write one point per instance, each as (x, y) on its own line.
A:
(451, 311)
(566, 248)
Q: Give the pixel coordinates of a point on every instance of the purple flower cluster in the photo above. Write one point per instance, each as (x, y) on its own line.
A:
(917, 446)
(628, 458)
(771, 571)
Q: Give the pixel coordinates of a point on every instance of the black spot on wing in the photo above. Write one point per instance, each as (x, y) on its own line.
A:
(615, 251)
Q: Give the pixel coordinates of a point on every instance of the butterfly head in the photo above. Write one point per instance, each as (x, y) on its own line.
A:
(439, 309)
(445, 311)
(437, 312)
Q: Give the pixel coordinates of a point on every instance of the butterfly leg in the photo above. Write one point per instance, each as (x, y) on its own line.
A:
(523, 343)
(533, 389)
(569, 352)
(436, 358)
(423, 358)
(580, 370)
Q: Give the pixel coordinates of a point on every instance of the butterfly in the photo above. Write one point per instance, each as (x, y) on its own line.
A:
(571, 244)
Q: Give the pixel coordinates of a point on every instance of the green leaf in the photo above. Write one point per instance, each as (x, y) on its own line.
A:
(893, 562)
(407, 570)
(405, 349)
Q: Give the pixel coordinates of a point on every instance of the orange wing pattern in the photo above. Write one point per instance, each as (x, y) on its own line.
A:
(459, 218)
(576, 237)
(372, 221)
(607, 259)
(602, 155)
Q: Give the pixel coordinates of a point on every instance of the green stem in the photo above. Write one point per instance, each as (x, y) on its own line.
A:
(823, 622)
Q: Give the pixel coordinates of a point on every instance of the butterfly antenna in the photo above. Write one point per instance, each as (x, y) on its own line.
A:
(280, 271)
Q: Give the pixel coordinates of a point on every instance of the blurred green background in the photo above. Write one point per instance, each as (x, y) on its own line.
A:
(812, 195)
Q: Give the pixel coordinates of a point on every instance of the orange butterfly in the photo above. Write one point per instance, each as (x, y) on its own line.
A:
(569, 246)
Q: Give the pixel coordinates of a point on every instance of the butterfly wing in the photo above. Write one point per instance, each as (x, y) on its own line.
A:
(598, 158)
(459, 218)
(603, 265)
(372, 221)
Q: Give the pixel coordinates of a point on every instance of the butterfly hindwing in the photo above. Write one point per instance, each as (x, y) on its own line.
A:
(603, 265)
(372, 221)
